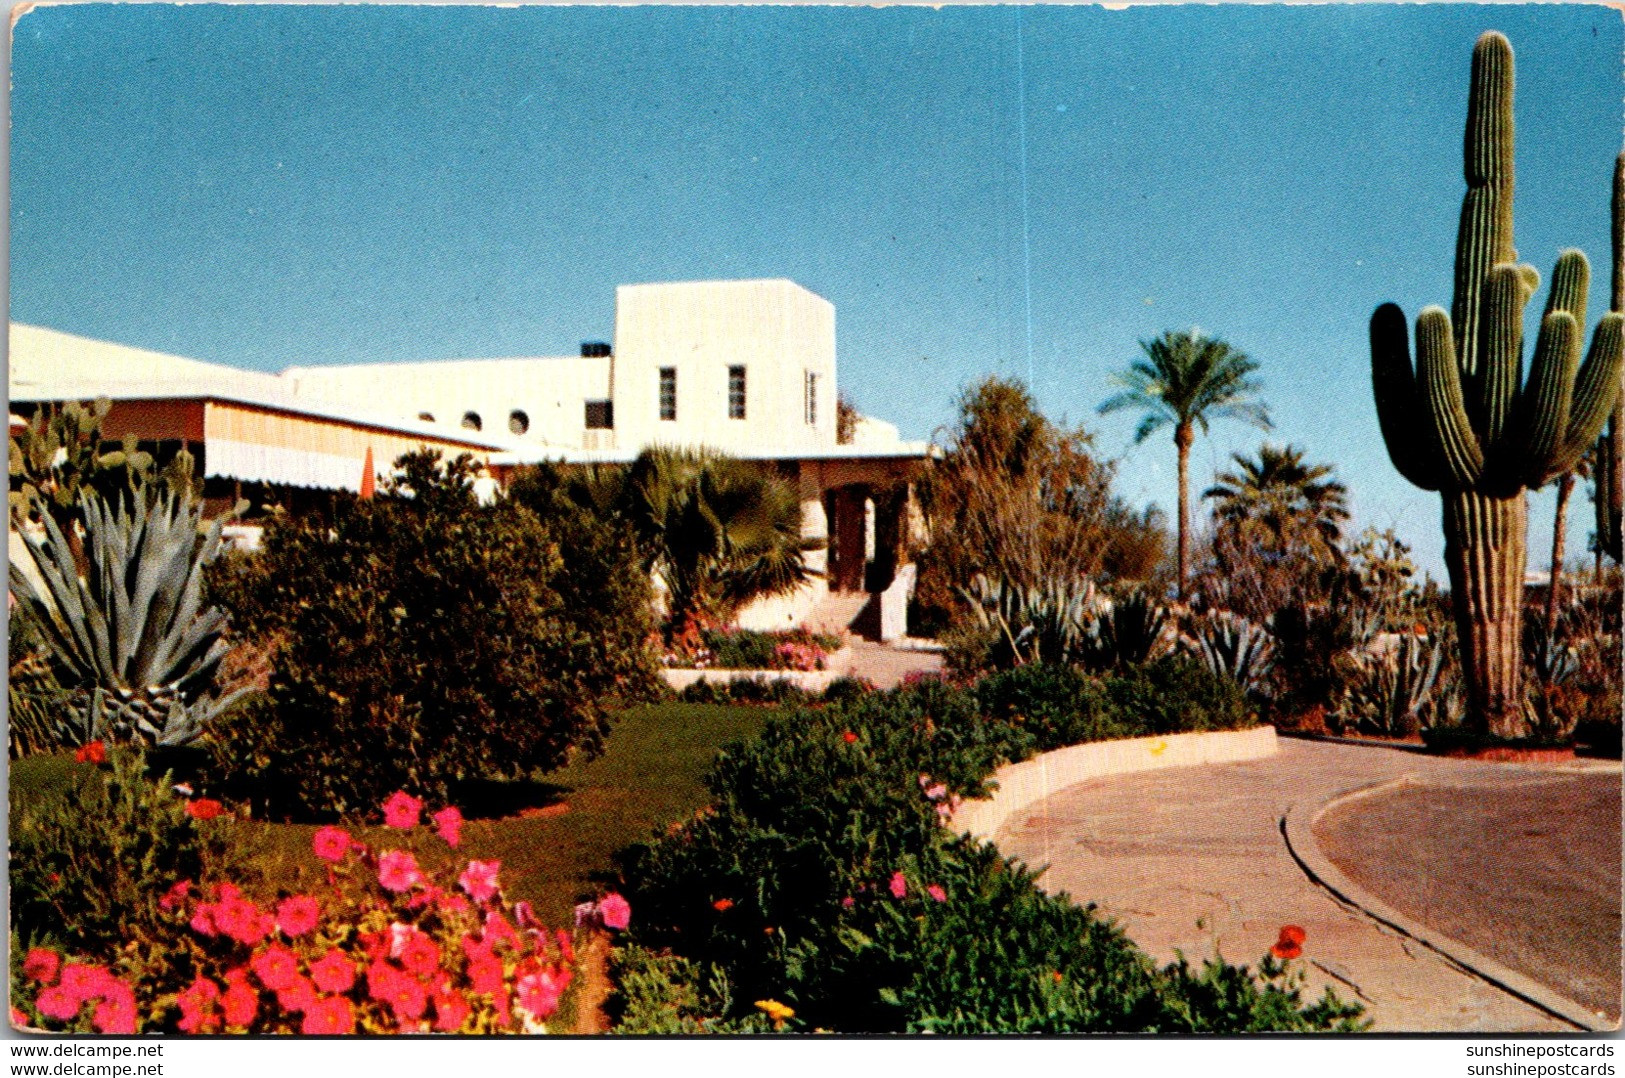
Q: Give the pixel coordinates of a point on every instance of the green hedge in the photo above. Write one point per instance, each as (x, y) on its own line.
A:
(823, 880)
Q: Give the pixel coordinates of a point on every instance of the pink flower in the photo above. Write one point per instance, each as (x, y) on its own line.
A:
(297, 996)
(936, 792)
(614, 911)
(333, 972)
(398, 871)
(276, 967)
(584, 913)
(197, 1006)
(328, 1014)
(936, 892)
(899, 886)
(450, 1011)
(298, 914)
(539, 991)
(58, 1003)
(416, 951)
(479, 879)
(448, 824)
(85, 981)
(848, 902)
(240, 1002)
(116, 1012)
(331, 843)
(240, 919)
(42, 965)
(402, 810)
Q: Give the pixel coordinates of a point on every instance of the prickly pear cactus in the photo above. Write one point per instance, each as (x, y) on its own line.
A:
(1465, 422)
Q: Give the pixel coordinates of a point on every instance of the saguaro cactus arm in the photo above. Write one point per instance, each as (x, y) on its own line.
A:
(1393, 384)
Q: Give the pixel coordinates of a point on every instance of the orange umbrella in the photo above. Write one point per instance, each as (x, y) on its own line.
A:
(369, 479)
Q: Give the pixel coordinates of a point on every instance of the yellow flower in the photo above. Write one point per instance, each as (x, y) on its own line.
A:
(776, 1011)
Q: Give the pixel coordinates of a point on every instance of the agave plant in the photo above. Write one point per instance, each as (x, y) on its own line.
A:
(1133, 631)
(1051, 622)
(1395, 693)
(1235, 648)
(140, 648)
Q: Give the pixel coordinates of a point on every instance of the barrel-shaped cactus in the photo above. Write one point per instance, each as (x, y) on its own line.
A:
(1464, 421)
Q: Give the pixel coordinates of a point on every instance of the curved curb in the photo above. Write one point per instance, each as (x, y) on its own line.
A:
(1297, 831)
(1022, 784)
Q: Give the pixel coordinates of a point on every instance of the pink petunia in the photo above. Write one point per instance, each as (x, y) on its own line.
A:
(175, 897)
(448, 823)
(240, 1002)
(398, 871)
(937, 893)
(116, 1013)
(58, 1003)
(479, 879)
(333, 972)
(450, 1011)
(848, 902)
(614, 911)
(898, 885)
(539, 992)
(331, 843)
(298, 914)
(276, 967)
(402, 810)
(328, 1014)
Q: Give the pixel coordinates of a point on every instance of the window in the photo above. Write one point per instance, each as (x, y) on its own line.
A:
(600, 415)
(518, 422)
(427, 417)
(472, 421)
(812, 398)
(736, 393)
(668, 393)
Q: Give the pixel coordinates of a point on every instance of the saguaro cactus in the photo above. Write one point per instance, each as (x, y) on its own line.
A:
(1465, 423)
(1609, 473)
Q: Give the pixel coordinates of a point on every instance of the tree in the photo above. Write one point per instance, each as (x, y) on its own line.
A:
(1014, 497)
(1560, 527)
(717, 531)
(1283, 502)
(1184, 381)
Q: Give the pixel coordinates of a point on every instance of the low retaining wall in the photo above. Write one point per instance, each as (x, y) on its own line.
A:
(838, 664)
(1021, 785)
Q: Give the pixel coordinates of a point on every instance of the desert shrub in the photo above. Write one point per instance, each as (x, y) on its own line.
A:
(1177, 694)
(1058, 705)
(665, 995)
(847, 688)
(822, 882)
(93, 849)
(456, 642)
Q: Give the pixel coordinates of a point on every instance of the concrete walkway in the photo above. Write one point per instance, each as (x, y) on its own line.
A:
(1196, 860)
(886, 665)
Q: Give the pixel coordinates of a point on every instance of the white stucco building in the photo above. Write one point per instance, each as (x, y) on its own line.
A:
(744, 367)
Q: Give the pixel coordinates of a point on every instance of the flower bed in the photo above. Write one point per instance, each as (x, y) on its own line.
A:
(821, 891)
(404, 937)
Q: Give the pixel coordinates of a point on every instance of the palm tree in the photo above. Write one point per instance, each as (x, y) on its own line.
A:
(1289, 501)
(718, 531)
(1185, 380)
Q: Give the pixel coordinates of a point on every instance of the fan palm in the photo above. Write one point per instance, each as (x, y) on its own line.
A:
(718, 531)
(1184, 381)
(1289, 501)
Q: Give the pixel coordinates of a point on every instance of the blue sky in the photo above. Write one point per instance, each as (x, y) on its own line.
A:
(265, 186)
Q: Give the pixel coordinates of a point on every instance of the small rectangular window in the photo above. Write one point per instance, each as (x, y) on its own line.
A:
(668, 393)
(736, 393)
(812, 398)
(600, 415)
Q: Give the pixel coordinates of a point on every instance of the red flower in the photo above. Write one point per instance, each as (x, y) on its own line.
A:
(331, 843)
(1290, 945)
(723, 905)
(175, 896)
(204, 808)
(333, 972)
(328, 1014)
(450, 1011)
(448, 824)
(298, 997)
(42, 965)
(94, 752)
(58, 1003)
(402, 810)
(298, 914)
(848, 736)
(1293, 934)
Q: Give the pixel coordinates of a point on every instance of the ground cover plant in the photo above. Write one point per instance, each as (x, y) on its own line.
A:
(750, 649)
(822, 892)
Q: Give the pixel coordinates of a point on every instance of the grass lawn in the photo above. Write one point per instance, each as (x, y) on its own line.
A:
(649, 776)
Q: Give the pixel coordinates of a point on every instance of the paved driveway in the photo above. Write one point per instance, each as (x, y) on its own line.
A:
(1194, 860)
